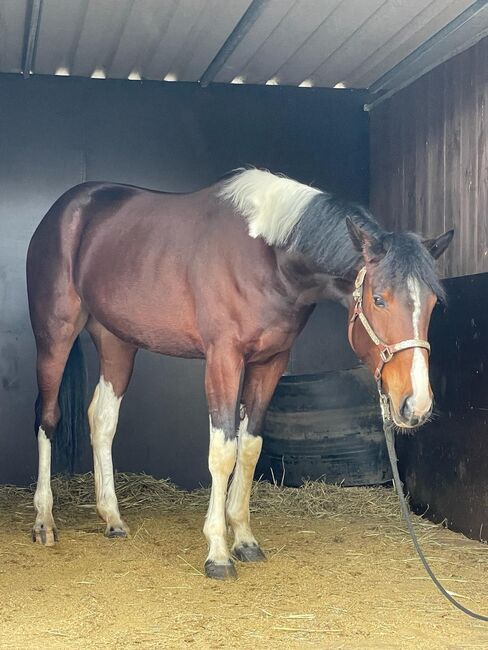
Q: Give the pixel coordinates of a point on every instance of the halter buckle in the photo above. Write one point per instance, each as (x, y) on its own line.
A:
(386, 355)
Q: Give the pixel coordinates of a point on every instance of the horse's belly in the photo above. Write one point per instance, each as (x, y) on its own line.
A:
(168, 330)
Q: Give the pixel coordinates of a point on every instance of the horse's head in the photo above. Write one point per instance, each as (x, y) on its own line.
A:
(395, 294)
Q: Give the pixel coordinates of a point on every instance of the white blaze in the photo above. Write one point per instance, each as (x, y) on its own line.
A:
(420, 400)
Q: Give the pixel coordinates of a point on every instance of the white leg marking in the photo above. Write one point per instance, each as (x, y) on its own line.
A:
(249, 449)
(103, 415)
(421, 400)
(221, 461)
(43, 497)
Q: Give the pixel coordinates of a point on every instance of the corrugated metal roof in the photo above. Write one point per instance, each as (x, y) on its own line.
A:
(319, 42)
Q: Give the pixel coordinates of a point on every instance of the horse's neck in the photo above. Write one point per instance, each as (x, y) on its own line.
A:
(307, 285)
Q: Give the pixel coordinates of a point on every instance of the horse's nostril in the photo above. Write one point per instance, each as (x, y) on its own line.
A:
(406, 410)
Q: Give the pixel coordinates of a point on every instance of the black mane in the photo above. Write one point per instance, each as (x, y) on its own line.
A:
(321, 234)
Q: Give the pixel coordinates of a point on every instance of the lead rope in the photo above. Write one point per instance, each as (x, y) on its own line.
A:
(390, 445)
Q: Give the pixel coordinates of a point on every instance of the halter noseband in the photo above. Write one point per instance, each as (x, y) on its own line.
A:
(386, 351)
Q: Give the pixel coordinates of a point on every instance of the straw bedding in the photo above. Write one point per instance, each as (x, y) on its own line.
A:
(341, 573)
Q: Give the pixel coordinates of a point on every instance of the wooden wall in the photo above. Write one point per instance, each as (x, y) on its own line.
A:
(429, 159)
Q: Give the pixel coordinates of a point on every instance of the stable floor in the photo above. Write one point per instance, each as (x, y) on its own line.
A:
(341, 574)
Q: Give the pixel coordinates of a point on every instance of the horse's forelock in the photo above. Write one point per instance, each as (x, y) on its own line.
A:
(406, 258)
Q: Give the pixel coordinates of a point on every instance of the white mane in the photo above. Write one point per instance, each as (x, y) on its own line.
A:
(272, 205)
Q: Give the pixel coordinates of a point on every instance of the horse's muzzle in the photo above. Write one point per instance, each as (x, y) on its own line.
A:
(406, 417)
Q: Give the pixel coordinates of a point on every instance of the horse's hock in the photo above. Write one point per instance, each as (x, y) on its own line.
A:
(325, 427)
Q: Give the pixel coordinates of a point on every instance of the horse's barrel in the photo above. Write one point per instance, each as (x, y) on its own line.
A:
(325, 426)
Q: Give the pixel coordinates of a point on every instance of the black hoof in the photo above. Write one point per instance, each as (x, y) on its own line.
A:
(220, 571)
(114, 533)
(248, 553)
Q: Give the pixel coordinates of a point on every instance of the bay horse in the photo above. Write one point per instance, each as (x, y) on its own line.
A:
(230, 273)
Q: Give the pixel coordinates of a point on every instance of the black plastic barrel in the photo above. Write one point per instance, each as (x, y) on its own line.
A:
(325, 427)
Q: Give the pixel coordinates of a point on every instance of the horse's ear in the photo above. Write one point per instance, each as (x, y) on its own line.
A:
(373, 249)
(439, 244)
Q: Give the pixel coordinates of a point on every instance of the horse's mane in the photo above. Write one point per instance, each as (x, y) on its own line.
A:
(300, 218)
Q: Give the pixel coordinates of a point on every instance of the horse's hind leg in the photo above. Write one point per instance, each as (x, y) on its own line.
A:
(116, 364)
(222, 384)
(259, 383)
(52, 353)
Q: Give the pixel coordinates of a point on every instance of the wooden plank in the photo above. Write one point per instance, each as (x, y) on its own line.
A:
(469, 160)
(434, 224)
(421, 142)
(409, 202)
(452, 180)
(481, 98)
(378, 165)
(442, 159)
(396, 169)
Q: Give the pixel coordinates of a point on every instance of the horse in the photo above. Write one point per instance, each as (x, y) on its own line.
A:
(229, 274)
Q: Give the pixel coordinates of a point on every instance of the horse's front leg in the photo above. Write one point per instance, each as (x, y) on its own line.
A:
(222, 381)
(259, 383)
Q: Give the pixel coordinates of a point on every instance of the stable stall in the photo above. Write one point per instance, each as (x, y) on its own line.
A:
(383, 103)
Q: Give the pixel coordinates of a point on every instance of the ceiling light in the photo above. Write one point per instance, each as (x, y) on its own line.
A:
(171, 76)
(62, 71)
(237, 80)
(306, 83)
(134, 76)
(341, 84)
(274, 81)
(98, 73)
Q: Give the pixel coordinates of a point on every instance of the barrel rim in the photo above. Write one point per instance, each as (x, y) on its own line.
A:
(295, 379)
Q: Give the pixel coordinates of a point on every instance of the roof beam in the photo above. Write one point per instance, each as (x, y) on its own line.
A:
(464, 17)
(30, 39)
(248, 19)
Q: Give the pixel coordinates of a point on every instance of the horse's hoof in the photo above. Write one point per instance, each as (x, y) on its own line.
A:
(44, 535)
(248, 553)
(220, 571)
(116, 532)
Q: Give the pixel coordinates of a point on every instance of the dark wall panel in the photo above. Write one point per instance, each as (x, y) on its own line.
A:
(55, 132)
(429, 159)
(445, 463)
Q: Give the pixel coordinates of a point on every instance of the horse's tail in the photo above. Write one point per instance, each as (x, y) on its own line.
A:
(72, 427)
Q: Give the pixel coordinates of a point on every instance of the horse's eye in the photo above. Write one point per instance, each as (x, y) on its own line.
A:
(378, 301)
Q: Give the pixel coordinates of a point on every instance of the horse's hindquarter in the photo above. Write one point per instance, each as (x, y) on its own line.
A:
(176, 273)
(132, 271)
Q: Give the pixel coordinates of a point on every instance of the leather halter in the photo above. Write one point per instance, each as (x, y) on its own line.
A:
(387, 351)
